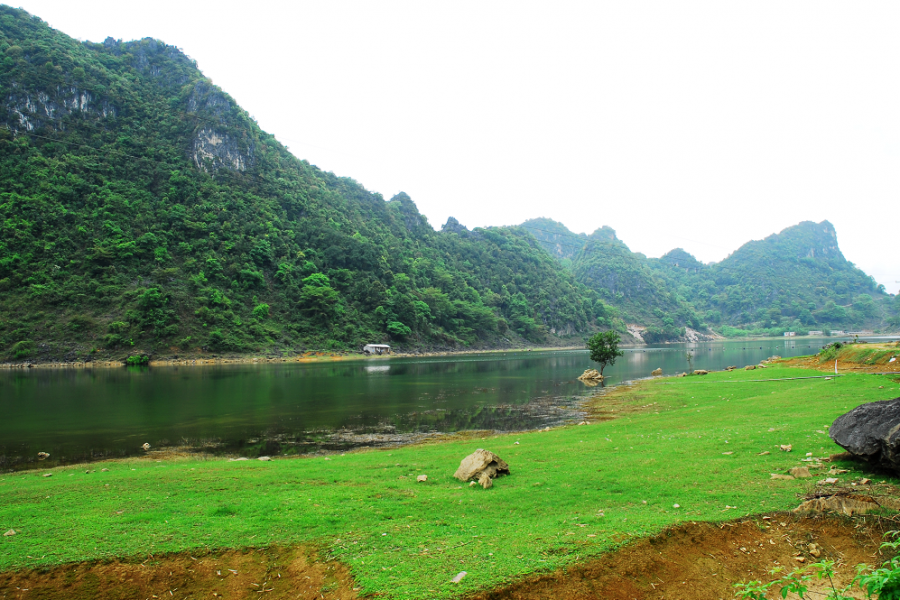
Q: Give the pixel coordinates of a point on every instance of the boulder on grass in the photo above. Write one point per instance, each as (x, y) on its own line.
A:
(872, 432)
(482, 466)
(657, 371)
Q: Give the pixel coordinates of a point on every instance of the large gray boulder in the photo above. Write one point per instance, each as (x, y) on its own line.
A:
(871, 432)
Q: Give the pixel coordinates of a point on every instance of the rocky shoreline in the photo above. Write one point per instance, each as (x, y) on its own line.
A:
(306, 357)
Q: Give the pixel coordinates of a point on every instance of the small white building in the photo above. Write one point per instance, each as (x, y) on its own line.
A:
(790, 333)
(815, 333)
(838, 332)
(376, 349)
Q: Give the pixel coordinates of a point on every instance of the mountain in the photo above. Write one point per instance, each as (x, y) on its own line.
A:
(623, 278)
(143, 211)
(797, 280)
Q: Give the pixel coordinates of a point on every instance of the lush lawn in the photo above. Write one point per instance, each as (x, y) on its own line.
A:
(573, 492)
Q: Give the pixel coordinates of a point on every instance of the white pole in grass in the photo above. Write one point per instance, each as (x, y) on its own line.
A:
(835, 368)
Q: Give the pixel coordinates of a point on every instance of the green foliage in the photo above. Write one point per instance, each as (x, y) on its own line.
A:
(111, 228)
(137, 360)
(604, 347)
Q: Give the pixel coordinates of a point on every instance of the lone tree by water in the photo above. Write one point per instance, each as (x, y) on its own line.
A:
(604, 347)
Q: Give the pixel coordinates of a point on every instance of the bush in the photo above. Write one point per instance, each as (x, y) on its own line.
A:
(137, 361)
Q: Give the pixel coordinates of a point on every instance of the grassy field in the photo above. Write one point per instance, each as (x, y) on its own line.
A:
(574, 492)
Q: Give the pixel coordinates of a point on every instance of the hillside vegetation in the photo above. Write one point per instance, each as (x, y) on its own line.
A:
(796, 280)
(142, 210)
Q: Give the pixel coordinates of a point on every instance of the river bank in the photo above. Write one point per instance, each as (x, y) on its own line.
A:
(652, 457)
(304, 357)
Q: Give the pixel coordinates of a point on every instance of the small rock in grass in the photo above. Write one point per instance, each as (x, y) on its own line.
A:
(146, 447)
(422, 478)
(763, 453)
(48, 474)
(264, 458)
(676, 506)
(104, 470)
(865, 481)
(829, 480)
(459, 577)
(9, 533)
(786, 447)
(800, 559)
(42, 455)
(800, 472)
(780, 476)
(727, 453)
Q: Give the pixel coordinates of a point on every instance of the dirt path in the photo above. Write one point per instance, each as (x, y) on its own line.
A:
(688, 562)
(703, 561)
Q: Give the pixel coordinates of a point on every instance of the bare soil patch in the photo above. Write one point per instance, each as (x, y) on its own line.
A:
(705, 560)
(269, 573)
(687, 562)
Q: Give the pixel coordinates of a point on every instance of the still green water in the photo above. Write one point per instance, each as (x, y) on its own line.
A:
(85, 414)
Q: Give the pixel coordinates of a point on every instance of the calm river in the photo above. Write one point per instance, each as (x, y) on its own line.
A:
(253, 410)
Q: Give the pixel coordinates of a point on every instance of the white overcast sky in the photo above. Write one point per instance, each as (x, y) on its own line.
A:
(699, 125)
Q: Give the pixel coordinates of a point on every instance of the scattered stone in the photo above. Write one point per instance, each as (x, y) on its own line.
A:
(104, 470)
(591, 375)
(42, 455)
(800, 472)
(728, 453)
(701, 372)
(833, 471)
(865, 481)
(676, 506)
(749, 367)
(146, 447)
(781, 476)
(845, 504)
(872, 432)
(764, 453)
(731, 368)
(681, 375)
(482, 465)
(814, 550)
(459, 577)
(47, 475)
(656, 371)
(786, 447)
(800, 559)
(829, 481)
(9, 533)
(582, 423)
(264, 458)
(422, 478)
(762, 366)
(238, 459)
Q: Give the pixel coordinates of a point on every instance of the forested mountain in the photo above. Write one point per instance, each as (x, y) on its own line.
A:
(797, 279)
(623, 278)
(794, 280)
(142, 209)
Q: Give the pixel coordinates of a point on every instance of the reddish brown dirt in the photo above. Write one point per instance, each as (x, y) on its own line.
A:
(689, 562)
(704, 561)
(271, 573)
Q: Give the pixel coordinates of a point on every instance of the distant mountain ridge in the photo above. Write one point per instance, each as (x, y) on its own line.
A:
(797, 278)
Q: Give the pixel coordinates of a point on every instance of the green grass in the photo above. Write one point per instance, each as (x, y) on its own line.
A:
(574, 492)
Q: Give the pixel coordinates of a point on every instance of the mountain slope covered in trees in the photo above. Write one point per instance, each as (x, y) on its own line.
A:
(141, 208)
(795, 280)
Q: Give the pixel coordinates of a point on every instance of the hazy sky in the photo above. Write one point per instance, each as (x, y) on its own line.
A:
(694, 124)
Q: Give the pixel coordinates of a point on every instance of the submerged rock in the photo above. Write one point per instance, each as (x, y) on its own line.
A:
(871, 432)
(591, 374)
(483, 466)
